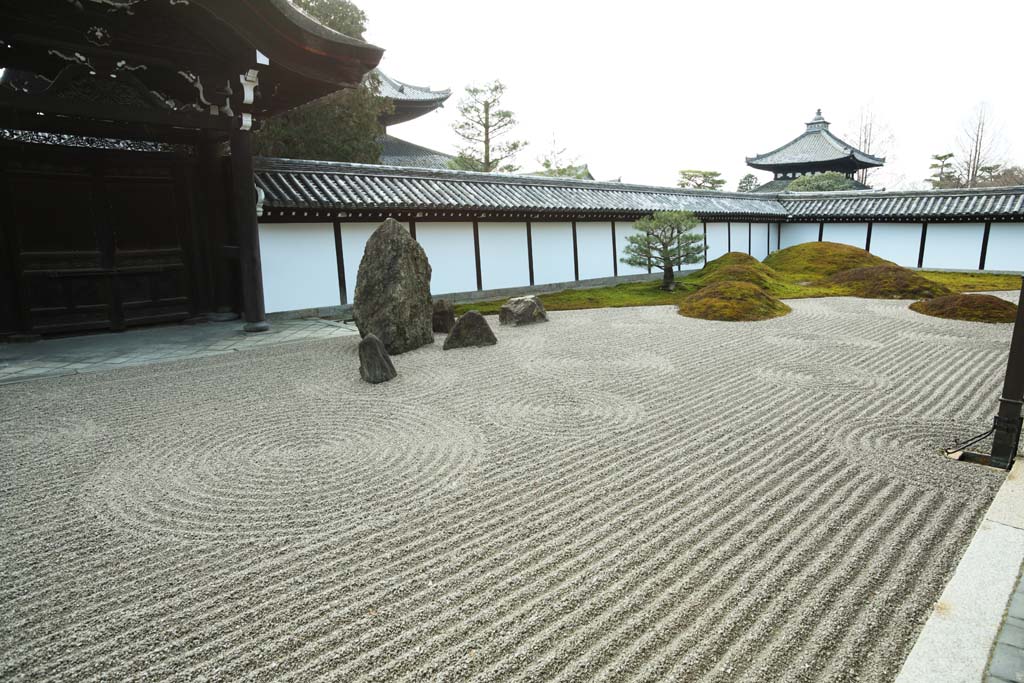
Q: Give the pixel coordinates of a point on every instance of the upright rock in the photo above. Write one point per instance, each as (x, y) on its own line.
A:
(375, 365)
(392, 298)
(522, 310)
(444, 316)
(471, 329)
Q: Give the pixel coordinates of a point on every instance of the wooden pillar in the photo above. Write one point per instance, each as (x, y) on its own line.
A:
(243, 199)
(1007, 424)
(984, 245)
(705, 243)
(867, 242)
(476, 256)
(339, 255)
(576, 255)
(529, 248)
(615, 253)
(924, 239)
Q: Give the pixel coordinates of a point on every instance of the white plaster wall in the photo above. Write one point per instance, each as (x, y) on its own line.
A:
(504, 259)
(300, 266)
(718, 240)
(594, 244)
(449, 247)
(740, 237)
(1005, 247)
(773, 230)
(759, 240)
(622, 229)
(552, 252)
(897, 242)
(798, 233)
(699, 232)
(854, 234)
(353, 245)
(953, 245)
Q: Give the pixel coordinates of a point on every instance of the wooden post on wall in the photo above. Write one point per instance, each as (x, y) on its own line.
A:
(339, 254)
(615, 253)
(476, 254)
(984, 245)
(705, 243)
(821, 231)
(867, 242)
(750, 239)
(924, 238)
(575, 254)
(728, 236)
(412, 229)
(244, 200)
(529, 249)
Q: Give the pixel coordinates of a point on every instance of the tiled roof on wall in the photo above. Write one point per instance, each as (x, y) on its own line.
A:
(290, 184)
(979, 204)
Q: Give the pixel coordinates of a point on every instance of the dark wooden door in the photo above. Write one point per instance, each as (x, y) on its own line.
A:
(99, 240)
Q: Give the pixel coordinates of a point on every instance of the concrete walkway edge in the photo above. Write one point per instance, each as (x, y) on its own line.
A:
(956, 641)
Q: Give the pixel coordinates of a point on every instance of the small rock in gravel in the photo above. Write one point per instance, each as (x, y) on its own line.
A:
(444, 316)
(522, 310)
(375, 364)
(470, 329)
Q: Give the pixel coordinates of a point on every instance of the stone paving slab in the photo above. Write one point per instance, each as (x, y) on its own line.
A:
(109, 351)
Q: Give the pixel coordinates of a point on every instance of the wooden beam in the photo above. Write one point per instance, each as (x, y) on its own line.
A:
(615, 253)
(750, 239)
(984, 245)
(529, 248)
(867, 242)
(476, 256)
(728, 236)
(576, 255)
(821, 231)
(924, 238)
(705, 243)
(412, 229)
(339, 254)
(243, 199)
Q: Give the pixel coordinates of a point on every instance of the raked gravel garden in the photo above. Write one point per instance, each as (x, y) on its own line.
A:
(618, 494)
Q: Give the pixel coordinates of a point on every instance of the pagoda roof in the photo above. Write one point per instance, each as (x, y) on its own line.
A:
(398, 152)
(411, 101)
(818, 149)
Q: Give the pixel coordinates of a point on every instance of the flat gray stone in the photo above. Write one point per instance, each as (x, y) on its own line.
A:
(1007, 663)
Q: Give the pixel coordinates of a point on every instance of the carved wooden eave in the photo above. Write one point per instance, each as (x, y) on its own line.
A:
(195, 64)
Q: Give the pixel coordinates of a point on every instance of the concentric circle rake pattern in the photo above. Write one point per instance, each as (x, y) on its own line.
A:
(615, 495)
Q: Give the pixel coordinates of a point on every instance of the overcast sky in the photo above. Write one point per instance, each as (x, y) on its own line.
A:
(641, 89)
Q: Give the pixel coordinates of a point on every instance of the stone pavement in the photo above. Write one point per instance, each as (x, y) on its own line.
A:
(1007, 662)
(106, 351)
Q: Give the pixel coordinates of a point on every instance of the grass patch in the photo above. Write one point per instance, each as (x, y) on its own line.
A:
(648, 293)
(973, 282)
(887, 282)
(982, 308)
(733, 301)
(818, 260)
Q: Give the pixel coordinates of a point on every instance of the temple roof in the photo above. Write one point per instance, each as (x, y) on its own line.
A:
(974, 204)
(411, 101)
(816, 149)
(782, 184)
(398, 152)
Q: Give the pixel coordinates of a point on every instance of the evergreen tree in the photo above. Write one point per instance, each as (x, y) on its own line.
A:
(482, 121)
(701, 180)
(829, 181)
(748, 183)
(943, 176)
(665, 240)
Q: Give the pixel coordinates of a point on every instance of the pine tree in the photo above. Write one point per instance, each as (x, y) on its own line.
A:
(665, 240)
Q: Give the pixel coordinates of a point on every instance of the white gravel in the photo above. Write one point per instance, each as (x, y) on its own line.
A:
(621, 494)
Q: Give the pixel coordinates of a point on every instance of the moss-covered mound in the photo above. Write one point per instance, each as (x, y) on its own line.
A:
(887, 282)
(736, 267)
(982, 308)
(814, 260)
(732, 301)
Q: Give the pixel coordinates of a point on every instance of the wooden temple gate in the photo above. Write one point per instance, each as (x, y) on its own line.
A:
(126, 181)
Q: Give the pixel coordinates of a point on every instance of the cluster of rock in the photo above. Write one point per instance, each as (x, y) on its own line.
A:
(394, 311)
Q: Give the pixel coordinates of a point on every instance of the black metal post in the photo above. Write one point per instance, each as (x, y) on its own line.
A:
(1006, 438)
(243, 186)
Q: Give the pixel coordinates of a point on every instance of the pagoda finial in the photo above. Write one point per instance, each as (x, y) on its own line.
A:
(818, 122)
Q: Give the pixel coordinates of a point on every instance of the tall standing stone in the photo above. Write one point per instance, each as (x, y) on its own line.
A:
(444, 316)
(392, 299)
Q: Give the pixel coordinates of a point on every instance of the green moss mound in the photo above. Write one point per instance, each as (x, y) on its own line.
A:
(981, 308)
(732, 301)
(816, 260)
(735, 267)
(887, 282)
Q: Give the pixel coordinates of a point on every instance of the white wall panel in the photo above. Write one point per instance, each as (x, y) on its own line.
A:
(953, 245)
(1005, 247)
(718, 240)
(622, 230)
(897, 242)
(300, 266)
(798, 233)
(504, 259)
(594, 244)
(773, 231)
(854, 234)
(552, 252)
(759, 240)
(452, 257)
(699, 232)
(740, 237)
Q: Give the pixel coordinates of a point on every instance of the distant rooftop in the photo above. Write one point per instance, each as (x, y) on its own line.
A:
(816, 150)
(411, 101)
(398, 152)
